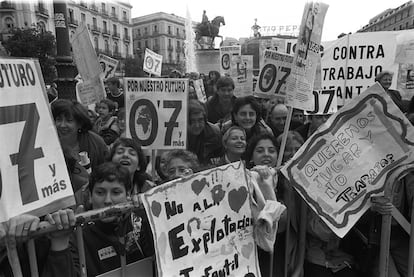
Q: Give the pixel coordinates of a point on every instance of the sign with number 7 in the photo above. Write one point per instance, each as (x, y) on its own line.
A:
(325, 102)
(33, 174)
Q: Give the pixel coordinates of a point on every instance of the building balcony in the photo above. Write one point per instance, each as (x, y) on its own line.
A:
(125, 20)
(117, 55)
(106, 33)
(96, 30)
(83, 4)
(156, 48)
(155, 33)
(127, 38)
(106, 52)
(116, 35)
(104, 12)
(94, 8)
(6, 6)
(178, 49)
(41, 11)
(170, 48)
(73, 22)
(114, 16)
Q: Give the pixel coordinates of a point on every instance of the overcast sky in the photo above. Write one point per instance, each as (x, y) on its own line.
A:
(342, 16)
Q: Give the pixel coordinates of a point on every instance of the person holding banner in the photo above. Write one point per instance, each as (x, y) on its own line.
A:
(74, 129)
(246, 114)
(220, 105)
(109, 185)
(204, 138)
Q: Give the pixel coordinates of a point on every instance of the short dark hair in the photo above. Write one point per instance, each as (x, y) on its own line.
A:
(111, 104)
(114, 80)
(110, 172)
(72, 109)
(225, 81)
(128, 142)
(243, 101)
(195, 107)
(253, 143)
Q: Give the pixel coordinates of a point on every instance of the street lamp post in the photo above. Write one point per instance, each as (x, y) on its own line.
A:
(65, 67)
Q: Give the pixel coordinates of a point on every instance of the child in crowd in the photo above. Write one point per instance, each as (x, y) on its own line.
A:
(107, 125)
(110, 184)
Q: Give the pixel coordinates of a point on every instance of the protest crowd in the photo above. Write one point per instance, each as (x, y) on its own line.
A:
(107, 166)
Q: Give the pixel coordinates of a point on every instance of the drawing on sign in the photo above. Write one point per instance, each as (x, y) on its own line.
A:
(225, 61)
(348, 160)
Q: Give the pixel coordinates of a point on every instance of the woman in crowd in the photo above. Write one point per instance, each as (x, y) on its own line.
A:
(246, 114)
(74, 130)
(262, 152)
(180, 163)
(107, 124)
(234, 143)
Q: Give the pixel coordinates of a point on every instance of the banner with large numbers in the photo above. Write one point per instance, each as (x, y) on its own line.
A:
(156, 112)
(226, 54)
(307, 54)
(350, 64)
(33, 175)
(349, 157)
(209, 232)
(273, 75)
(108, 66)
(241, 71)
(152, 62)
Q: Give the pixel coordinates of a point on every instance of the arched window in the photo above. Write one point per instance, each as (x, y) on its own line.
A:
(9, 23)
(96, 41)
(116, 48)
(126, 49)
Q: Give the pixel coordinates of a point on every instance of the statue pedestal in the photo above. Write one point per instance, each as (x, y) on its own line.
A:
(207, 60)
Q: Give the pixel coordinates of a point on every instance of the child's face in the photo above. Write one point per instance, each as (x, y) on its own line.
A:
(107, 193)
(103, 110)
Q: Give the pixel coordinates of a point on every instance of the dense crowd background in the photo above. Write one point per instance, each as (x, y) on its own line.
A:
(107, 168)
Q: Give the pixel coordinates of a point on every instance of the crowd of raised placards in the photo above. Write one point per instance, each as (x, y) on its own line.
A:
(106, 168)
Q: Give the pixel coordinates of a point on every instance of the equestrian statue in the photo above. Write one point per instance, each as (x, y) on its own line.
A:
(209, 29)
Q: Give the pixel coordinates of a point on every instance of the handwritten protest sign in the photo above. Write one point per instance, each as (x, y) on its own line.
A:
(156, 112)
(273, 75)
(209, 232)
(226, 54)
(33, 175)
(300, 84)
(152, 62)
(347, 160)
(241, 71)
(90, 91)
(108, 66)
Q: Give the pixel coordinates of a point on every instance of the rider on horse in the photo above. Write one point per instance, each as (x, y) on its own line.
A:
(206, 22)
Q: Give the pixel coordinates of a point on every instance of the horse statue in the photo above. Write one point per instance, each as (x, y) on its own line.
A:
(210, 29)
